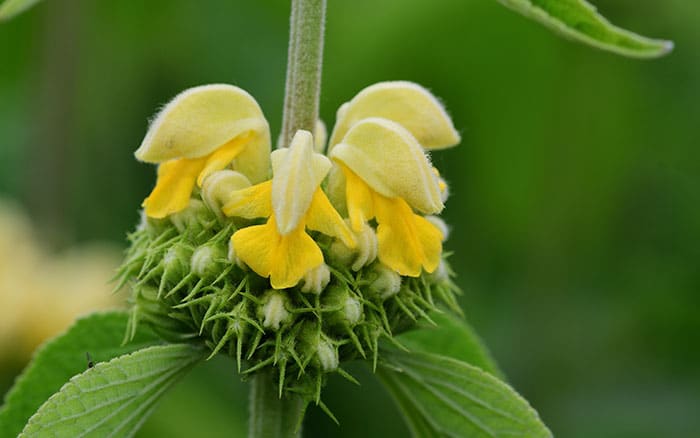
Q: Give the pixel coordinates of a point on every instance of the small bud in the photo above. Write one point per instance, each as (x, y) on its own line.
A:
(273, 311)
(346, 309)
(194, 217)
(152, 225)
(219, 185)
(362, 255)
(316, 280)
(440, 225)
(386, 282)
(327, 354)
(352, 310)
(207, 260)
(341, 254)
(442, 273)
(176, 262)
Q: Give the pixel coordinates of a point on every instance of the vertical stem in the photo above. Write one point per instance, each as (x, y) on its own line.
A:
(303, 84)
(270, 415)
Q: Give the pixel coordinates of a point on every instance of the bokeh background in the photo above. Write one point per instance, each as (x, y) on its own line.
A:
(575, 200)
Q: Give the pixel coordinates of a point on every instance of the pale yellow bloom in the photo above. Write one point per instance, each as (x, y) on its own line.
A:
(42, 293)
(407, 242)
(203, 130)
(292, 201)
(379, 171)
(383, 173)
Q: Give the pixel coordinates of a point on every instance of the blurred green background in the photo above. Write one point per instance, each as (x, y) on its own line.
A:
(575, 201)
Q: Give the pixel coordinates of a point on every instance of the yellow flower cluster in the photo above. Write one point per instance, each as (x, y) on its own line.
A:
(41, 293)
(370, 192)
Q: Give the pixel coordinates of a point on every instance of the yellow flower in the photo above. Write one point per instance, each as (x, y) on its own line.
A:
(203, 130)
(383, 173)
(42, 292)
(379, 171)
(387, 175)
(292, 201)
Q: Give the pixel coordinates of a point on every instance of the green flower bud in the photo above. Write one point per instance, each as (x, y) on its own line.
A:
(327, 354)
(352, 311)
(362, 255)
(151, 225)
(176, 263)
(385, 282)
(208, 260)
(316, 280)
(347, 310)
(341, 254)
(273, 311)
(193, 218)
(441, 274)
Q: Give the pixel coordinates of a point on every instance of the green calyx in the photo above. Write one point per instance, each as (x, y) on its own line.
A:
(186, 284)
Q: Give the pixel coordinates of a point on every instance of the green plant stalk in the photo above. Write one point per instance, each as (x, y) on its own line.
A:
(305, 59)
(270, 415)
(273, 415)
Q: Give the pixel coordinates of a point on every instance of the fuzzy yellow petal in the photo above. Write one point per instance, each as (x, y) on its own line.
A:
(406, 103)
(176, 179)
(335, 189)
(199, 120)
(223, 156)
(285, 259)
(297, 174)
(390, 160)
(322, 217)
(320, 136)
(254, 159)
(202, 119)
(359, 199)
(250, 203)
(407, 242)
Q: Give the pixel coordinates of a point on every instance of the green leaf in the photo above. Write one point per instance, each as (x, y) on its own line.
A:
(115, 397)
(454, 338)
(579, 20)
(15, 7)
(441, 396)
(61, 358)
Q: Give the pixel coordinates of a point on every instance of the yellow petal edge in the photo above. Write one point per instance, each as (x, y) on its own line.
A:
(200, 120)
(390, 160)
(406, 103)
(407, 242)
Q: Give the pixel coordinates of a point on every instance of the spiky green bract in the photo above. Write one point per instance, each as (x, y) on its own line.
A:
(186, 285)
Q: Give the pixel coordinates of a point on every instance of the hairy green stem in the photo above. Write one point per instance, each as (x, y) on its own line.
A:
(270, 415)
(303, 84)
(275, 415)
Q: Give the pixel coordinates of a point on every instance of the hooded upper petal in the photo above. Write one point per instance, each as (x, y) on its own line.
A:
(202, 119)
(390, 160)
(406, 103)
(298, 172)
